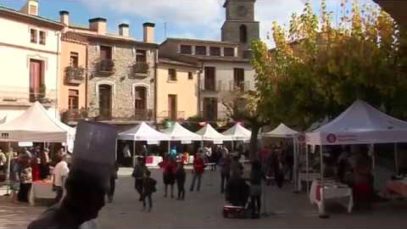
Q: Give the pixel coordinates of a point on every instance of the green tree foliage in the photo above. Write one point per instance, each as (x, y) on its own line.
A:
(318, 68)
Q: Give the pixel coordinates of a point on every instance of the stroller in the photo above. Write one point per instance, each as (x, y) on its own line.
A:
(235, 211)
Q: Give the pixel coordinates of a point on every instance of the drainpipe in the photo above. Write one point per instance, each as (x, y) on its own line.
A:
(58, 72)
(200, 111)
(155, 86)
(86, 77)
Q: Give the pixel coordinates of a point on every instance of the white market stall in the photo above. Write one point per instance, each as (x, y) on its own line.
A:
(359, 124)
(143, 132)
(208, 133)
(283, 131)
(238, 133)
(36, 125)
(178, 133)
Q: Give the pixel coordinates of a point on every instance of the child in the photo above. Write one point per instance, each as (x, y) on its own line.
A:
(180, 176)
(148, 189)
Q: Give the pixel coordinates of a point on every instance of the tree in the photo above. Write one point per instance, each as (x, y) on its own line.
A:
(317, 69)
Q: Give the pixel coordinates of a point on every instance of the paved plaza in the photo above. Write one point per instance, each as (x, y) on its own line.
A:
(204, 210)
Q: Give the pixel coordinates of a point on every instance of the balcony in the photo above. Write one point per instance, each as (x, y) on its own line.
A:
(143, 114)
(74, 75)
(213, 87)
(139, 70)
(242, 86)
(74, 115)
(23, 97)
(173, 116)
(105, 67)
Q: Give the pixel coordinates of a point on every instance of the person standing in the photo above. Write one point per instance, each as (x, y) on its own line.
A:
(61, 171)
(112, 182)
(14, 176)
(44, 164)
(169, 167)
(198, 170)
(224, 163)
(138, 174)
(25, 179)
(148, 189)
(256, 176)
(236, 168)
(180, 176)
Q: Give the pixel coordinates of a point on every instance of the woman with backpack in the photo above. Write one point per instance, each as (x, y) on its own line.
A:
(169, 166)
(138, 174)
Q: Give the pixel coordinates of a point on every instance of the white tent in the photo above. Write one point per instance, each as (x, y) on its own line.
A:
(281, 131)
(36, 125)
(179, 133)
(208, 133)
(238, 133)
(360, 124)
(143, 132)
(3, 119)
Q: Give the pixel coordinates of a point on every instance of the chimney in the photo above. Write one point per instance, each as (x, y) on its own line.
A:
(31, 8)
(98, 25)
(148, 31)
(64, 17)
(124, 30)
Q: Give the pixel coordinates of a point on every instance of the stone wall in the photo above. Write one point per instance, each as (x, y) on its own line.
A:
(121, 80)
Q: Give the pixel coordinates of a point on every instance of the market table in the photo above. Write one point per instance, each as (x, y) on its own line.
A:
(331, 190)
(153, 161)
(306, 177)
(398, 187)
(41, 189)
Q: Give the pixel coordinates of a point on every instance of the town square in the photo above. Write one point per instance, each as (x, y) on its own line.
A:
(203, 114)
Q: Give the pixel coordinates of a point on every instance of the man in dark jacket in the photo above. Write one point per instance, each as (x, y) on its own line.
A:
(237, 191)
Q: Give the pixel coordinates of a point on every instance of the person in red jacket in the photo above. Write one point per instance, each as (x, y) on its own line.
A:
(198, 170)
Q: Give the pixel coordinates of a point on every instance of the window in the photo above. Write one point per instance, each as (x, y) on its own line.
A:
(186, 49)
(210, 79)
(141, 56)
(243, 34)
(172, 74)
(214, 51)
(238, 79)
(172, 107)
(74, 60)
(190, 76)
(105, 53)
(200, 50)
(43, 37)
(37, 86)
(73, 99)
(229, 52)
(140, 98)
(33, 34)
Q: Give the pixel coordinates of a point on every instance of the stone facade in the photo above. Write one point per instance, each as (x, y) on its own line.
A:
(122, 80)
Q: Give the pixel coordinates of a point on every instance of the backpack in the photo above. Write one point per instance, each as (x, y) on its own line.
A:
(138, 172)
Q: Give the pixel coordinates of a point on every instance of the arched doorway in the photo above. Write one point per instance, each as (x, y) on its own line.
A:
(105, 101)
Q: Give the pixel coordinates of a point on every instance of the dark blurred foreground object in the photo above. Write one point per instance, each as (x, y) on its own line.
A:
(87, 182)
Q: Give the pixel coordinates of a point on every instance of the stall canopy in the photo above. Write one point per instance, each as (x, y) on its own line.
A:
(143, 132)
(179, 133)
(3, 119)
(36, 125)
(208, 133)
(281, 131)
(360, 124)
(238, 133)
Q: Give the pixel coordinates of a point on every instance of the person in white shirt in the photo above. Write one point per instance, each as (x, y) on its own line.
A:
(61, 171)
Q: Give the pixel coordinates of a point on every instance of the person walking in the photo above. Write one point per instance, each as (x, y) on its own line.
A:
(25, 179)
(224, 163)
(256, 177)
(198, 170)
(148, 190)
(138, 175)
(180, 176)
(112, 182)
(61, 171)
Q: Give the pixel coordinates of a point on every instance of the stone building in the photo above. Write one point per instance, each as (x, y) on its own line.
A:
(120, 72)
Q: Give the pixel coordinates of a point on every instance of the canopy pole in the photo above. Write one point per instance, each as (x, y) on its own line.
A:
(295, 163)
(168, 147)
(396, 158)
(233, 146)
(9, 157)
(307, 166)
(373, 156)
(134, 153)
(322, 213)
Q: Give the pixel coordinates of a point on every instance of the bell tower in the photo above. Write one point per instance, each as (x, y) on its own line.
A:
(240, 25)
